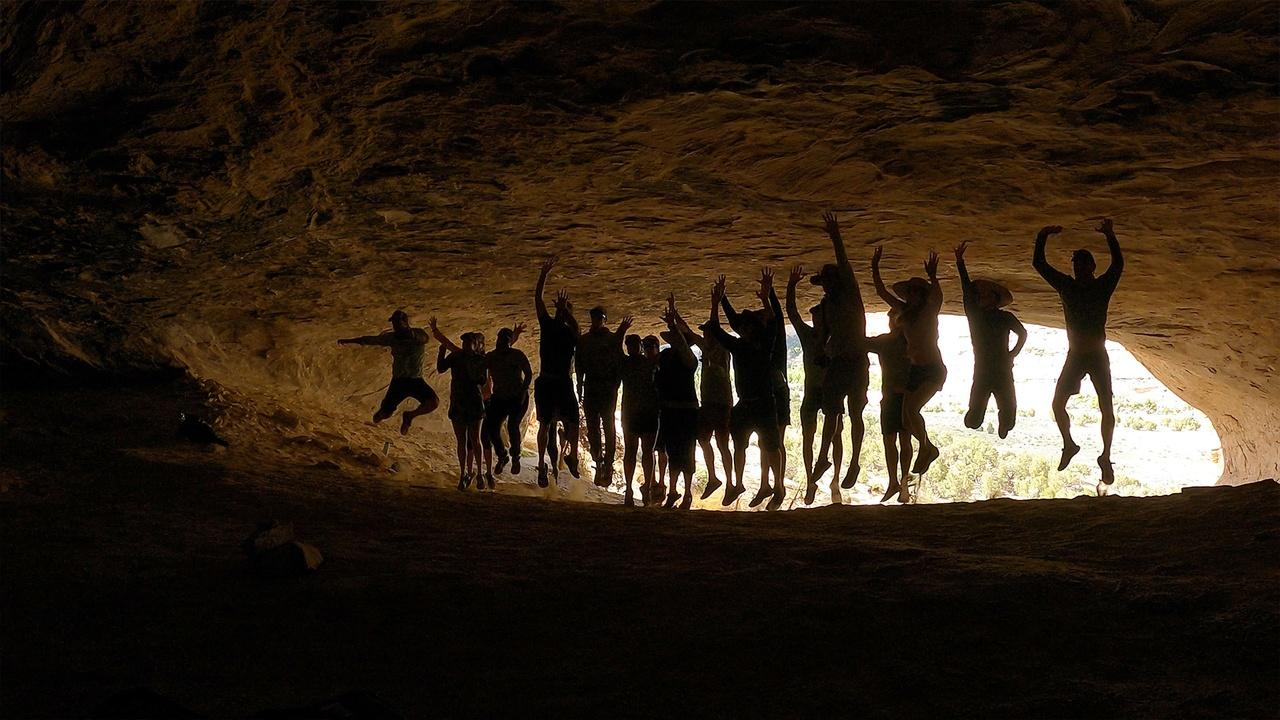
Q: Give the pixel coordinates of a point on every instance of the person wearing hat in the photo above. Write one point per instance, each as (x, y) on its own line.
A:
(598, 367)
(677, 406)
(989, 328)
(469, 374)
(813, 350)
(848, 370)
(639, 416)
(716, 395)
(408, 347)
(895, 367)
(919, 301)
(553, 398)
(509, 400)
(753, 367)
(1085, 300)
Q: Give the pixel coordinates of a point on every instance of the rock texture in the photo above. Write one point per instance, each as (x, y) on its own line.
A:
(232, 186)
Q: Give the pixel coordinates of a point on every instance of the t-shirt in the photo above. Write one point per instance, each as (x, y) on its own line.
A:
(639, 393)
(467, 372)
(844, 314)
(716, 390)
(600, 357)
(556, 346)
(894, 363)
(407, 351)
(507, 367)
(753, 365)
(674, 380)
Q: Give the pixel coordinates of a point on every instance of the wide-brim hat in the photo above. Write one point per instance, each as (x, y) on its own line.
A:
(913, 287)
(826, 271)
(669, 336)
(1003, 296)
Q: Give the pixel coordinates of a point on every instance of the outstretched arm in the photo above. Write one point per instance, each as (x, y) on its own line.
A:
(935, 287)
(384, 339)
(1042, 266)
(538, 302)
(1112, 274)
(1021, 331)
(714, 331)
(445, 342)
(793, 312)
(890, 299)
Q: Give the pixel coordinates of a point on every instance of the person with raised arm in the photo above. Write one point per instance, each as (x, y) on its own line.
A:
(895, 366)
(919, 301)
(508, 402)
(716, 395)
(468, 375)
(677, 406)
(408, 348)
(848, 371)
(639, 417)
(753, 367)
(813, 347)
(598, 367)
(553, 397)
(1085, 301)
(989, 328)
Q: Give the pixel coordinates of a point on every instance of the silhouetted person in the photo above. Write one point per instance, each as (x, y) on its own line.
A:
(753, 367)
(468, 372)
(553, 397)
(1085, 299)
(989, 328)
(511, 375)
(408, 347)
(716, 396)
(678, 406)
(813, 347)
(848, 371)
(639, 415)
(895, 367)
(919, 301)
(599, 373)
(778, 379)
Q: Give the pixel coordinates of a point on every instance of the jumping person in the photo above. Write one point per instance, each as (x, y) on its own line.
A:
(509, 401)
(408, 346)
(813, 342)
(677, 406)
(989, 328)
(598, 368)
(1085, 300)
(713, 413)
(468, 376)
(848, 370)
(753, 366)
(639, 416)
(553, 397)
(918, 301)
(895, 367)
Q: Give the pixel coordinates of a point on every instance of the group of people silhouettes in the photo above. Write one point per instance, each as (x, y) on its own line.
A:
(667, 412)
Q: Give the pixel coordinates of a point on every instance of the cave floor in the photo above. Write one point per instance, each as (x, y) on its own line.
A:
(122, 568)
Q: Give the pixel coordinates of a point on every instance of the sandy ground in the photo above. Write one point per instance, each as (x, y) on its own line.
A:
(122, 568)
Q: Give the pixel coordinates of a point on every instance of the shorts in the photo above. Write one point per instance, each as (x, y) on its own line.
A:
(502, 408)
(402, 388)
(811, 404)
(469, 409)
(712, 419)
(640, 422)
(1094, 363)
(920, 375)
(891, 413)
(847, 377)
(755, 415)
(678, 435)
(600, 398)
(782, 402)
(554, 399)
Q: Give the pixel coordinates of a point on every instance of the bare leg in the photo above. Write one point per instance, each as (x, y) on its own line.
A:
(630, 443)
(830, 428)
(545, 443)
(726, 457)
(739, 469)
(913, 419)
(979, 395)
(1102, 384)
(838, 448)
(593, 431)
(646, 462)
(571, 448)
(856, 430)
(904, 453)
(808, 428)
(709, 457)
(662, 471)
(766, 461)
(1006, 405)
(1061, 394)
(460, 436)
(891, 466)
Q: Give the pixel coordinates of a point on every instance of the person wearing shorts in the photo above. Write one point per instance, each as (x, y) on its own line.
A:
(408, 347)
(894, 368)
(553, 397)
(678, 407)
(639, 416)
(511, 373)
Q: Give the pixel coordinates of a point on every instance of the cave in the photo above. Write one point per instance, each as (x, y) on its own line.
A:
(200, 198)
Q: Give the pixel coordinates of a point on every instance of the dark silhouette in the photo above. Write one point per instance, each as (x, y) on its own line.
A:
(193, 429)
(989, 328)
(508, 402)
(639, 416)
(1085, 300)
(895, 368)
(918, 301)
(716, 400)
(469, 373)
(408, 347)
(599, 371)
(847, 376)
(813, 341)
(677, 406)
(553, 397)
(753, 371)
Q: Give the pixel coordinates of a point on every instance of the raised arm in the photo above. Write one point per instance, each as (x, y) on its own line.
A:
(538, 302)
(679, 342)
(832, 226)
(1052, 276)
(1112, 274)
(714, 331)
(442, 360)
(1021, 331)
(564, 305)
(729, 313)
(890, 299)
(383, 339)
(793, 312)
(445, 342)
(516, 332)
(960, 267)
(621, 333)
(935, 287)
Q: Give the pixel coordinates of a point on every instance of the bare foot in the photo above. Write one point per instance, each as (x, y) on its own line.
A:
(712, 486)
(1102, 489)
(928, 454)
(820, 468)
(836, 499)
(731, 494)
(810, 493)
(1108, 473)
(1068, 452)
(851, 477)
(894, 488)
(764, 493)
